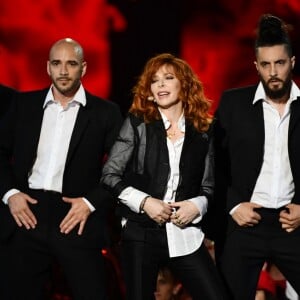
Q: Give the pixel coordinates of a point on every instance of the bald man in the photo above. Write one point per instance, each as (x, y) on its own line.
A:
(52, 145)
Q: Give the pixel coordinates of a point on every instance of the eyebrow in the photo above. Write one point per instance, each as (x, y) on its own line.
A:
(68, 61)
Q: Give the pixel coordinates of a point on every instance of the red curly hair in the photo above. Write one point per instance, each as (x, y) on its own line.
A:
(196, 106)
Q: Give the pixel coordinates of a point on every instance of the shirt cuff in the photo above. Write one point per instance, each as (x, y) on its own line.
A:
(9, 194)
(201, 203)
(132, 198)
(88, 203)
(234, 209)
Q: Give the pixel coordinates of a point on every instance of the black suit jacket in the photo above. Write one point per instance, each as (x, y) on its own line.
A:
(6, 96)
(239, 137)
(95, 129)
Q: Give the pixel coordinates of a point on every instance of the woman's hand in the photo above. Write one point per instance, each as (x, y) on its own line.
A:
(186, 212)
(157, 210)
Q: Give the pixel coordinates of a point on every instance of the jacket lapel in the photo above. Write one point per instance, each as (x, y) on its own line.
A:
(81, 123)
(295, 115)
(258, 123)
(33, 128)
(190, 134)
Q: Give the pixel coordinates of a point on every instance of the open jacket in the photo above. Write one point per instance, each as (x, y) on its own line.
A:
(96, 127)
(239, 149)
(239, 143)
(139, 158)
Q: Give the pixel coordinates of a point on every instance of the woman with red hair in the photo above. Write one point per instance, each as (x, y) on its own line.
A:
(161, 171)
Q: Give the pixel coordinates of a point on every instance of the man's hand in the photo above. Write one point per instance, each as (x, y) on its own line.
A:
(20, 210)
(290, 218)
(77, 214)
(245, 215)
(186, 212)
(157, 210)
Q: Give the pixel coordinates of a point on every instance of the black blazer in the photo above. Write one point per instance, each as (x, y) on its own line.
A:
(95, 129)
(140, 159)
(239, 136)
(6, 96)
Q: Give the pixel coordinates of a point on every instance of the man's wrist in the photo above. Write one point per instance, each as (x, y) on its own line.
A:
(9, 194)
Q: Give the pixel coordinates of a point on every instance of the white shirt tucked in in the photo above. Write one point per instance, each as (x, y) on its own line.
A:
(275, 187)
(57, 127)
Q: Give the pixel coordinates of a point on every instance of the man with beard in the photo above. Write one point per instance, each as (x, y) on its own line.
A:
(257, 137)
(52, 145)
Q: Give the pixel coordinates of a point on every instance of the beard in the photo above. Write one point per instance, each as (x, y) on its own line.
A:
(67, 88)
(277, 93)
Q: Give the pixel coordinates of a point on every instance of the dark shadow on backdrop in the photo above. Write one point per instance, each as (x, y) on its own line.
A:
(153, 28)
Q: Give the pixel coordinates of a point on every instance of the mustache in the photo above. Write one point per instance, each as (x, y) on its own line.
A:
(274, 79)
(63, 77)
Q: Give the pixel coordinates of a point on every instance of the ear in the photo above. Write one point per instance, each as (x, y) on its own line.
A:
(84, 66)
(293, 60)
(48, 67)
(177, 288)
(255, 63)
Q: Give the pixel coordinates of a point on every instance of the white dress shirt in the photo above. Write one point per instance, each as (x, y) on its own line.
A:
(275, 186)
(57, 127)
(181, 241)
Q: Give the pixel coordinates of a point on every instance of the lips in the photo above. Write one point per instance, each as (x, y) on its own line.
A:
(274, 81)
(163, 94)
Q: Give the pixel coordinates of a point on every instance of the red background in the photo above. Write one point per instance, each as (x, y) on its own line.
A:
(214, 36)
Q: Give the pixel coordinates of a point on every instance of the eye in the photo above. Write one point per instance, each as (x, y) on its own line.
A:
(169, 77)
(54, 63)
(73, 63)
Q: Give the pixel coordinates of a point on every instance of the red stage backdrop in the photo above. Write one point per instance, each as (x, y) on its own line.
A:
(216, 38)
(28, 29)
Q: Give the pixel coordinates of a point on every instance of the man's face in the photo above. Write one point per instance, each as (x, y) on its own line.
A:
(65, 67)
(275, 67)
(166, 286)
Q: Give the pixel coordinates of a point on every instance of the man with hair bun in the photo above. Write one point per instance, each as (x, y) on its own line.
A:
(258, 167)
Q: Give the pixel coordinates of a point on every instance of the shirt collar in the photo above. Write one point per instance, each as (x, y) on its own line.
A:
(79, 97)
(167, 123)
(260, 93)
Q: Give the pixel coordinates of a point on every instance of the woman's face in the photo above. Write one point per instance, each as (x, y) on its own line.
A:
(165, 87)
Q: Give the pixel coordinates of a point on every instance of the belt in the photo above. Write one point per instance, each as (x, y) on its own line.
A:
(271, 210)
(46, 191)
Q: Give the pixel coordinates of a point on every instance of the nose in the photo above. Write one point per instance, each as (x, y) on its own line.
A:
(161, 83)
(63, 70)
(273, 70)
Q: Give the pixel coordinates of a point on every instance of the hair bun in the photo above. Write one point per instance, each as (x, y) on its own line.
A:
(269, 22)
(271, 31)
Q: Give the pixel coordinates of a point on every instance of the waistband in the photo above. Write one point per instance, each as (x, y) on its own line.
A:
(149, 225)
(44, 191)
(271, 210)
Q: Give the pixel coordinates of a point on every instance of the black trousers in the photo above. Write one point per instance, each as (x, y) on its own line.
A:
(141, 261)
(33, 252)
(5, 268)
(247, 248)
